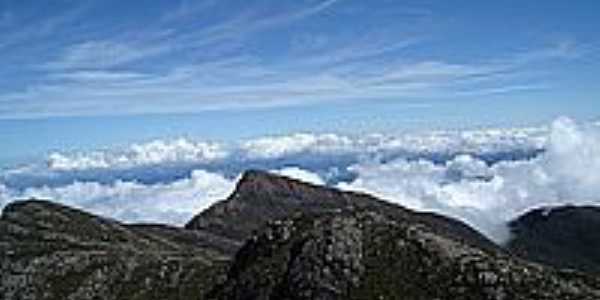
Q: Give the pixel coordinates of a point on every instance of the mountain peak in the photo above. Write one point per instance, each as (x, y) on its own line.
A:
(261, 196)
(258, 183)
(253, 174)
(253, 179)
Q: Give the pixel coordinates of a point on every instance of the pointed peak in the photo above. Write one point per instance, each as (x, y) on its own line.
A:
(256, 174)
(253, 180)
(262, 182)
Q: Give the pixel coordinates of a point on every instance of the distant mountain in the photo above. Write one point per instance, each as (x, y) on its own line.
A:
(565, 237)
(273, 238)
(261, 197)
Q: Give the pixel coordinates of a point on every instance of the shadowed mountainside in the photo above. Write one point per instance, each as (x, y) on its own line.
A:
(565, 237)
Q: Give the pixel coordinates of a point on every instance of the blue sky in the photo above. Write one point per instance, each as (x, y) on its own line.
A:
(87, 74)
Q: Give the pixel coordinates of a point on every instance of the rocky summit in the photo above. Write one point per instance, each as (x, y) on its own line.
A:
(366, 255)
(274, 238)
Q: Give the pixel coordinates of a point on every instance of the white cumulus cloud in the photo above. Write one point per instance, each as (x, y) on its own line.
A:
(300, 174)
(173, 203)
(274, 147)
(152, 153)
(488, 196)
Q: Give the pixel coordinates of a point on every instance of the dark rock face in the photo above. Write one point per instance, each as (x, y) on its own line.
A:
(366, 255)
(565, 237)
(48, 251)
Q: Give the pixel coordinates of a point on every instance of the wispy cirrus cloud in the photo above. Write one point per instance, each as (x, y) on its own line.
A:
(158, 39)
(6, 18)
(101, 55)
(26, 29)
(206, 56)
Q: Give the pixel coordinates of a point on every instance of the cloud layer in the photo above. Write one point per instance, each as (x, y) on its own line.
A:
(132, 201)
(485, 177)
(487, 196)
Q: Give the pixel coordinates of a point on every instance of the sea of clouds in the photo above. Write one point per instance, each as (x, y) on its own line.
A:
(484, 177)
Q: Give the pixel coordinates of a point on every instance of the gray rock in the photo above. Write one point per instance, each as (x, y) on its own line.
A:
(360, 254)
(49, 251)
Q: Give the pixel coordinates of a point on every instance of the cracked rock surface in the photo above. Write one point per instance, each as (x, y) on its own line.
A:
(49, 251)
(360, 254)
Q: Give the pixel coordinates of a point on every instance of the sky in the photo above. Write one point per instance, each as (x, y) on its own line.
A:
(245, 68)
(452, 106)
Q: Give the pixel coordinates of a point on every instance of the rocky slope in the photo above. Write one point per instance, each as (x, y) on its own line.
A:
(565, 237)
(49, 251)
(295, 241)
(361, 254)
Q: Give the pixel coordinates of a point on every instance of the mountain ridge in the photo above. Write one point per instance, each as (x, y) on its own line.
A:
(51, 251)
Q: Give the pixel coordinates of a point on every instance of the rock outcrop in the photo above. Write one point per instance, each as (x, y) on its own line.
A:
(361, 254)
